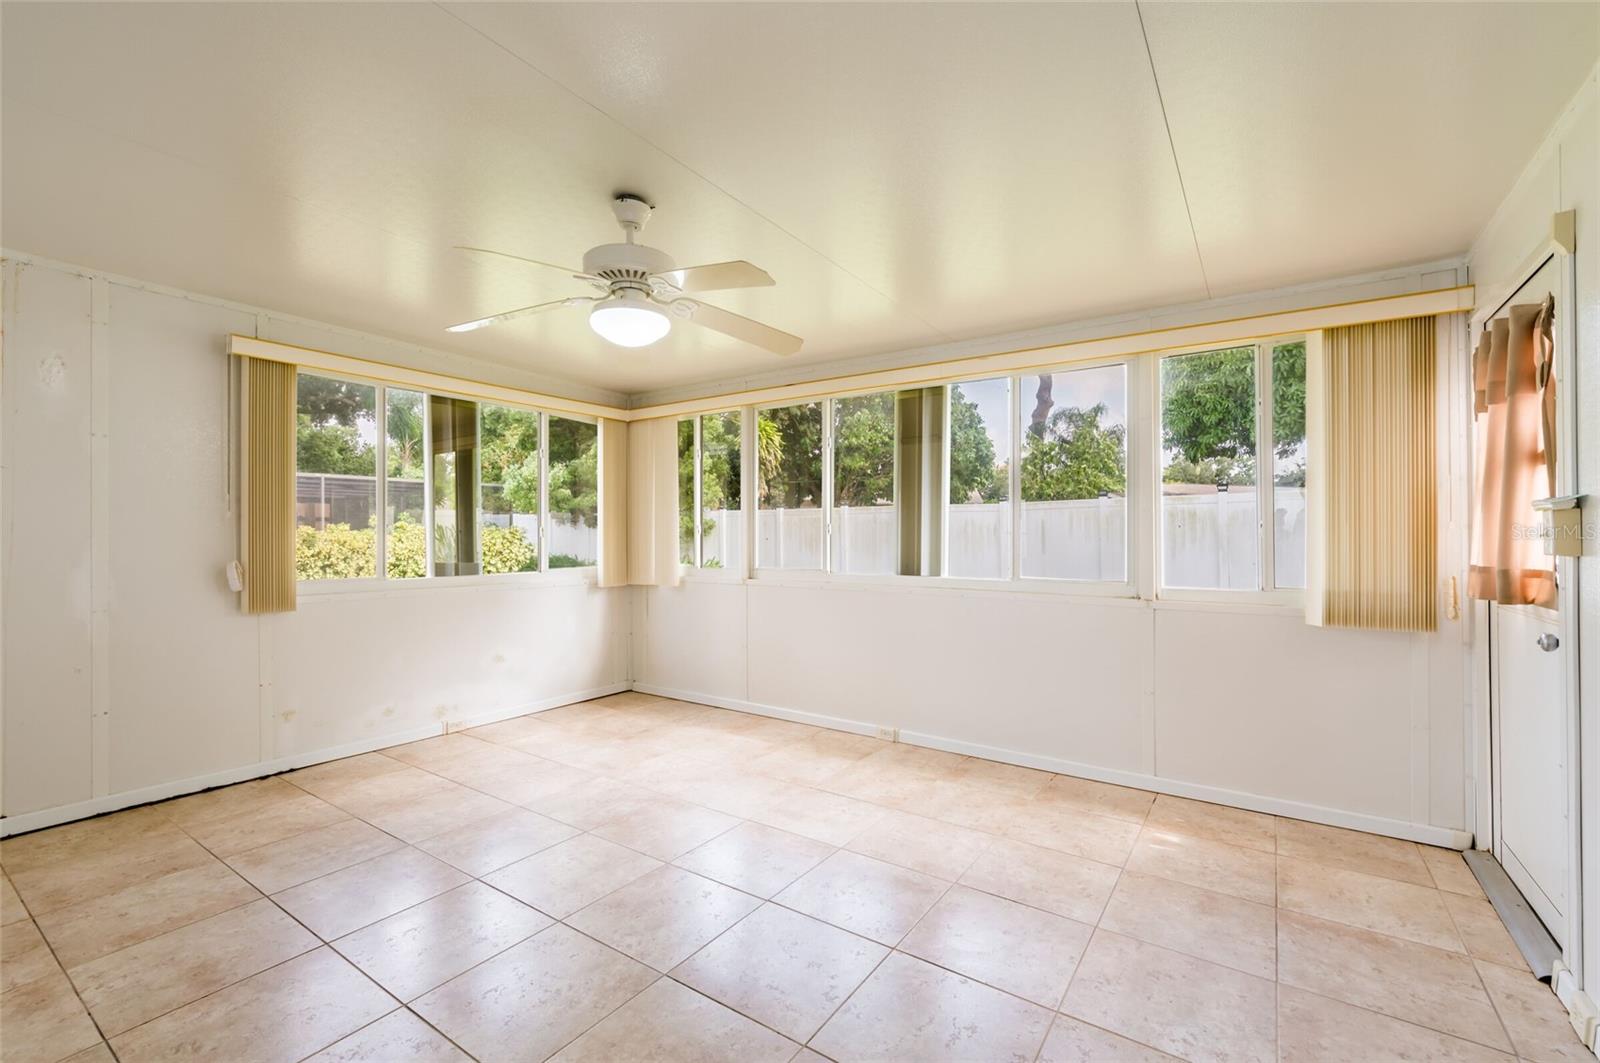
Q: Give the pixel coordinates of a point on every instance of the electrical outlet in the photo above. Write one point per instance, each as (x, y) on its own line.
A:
(889, 734)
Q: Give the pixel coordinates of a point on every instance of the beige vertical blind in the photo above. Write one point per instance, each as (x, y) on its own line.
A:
(1514, 407)
(613, 503)
(266, 536)
(1373, 543)
(653, 503)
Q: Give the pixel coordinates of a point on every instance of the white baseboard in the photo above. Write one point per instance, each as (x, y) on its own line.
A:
(1581, 1011)
(51, 817)
(1333, 817)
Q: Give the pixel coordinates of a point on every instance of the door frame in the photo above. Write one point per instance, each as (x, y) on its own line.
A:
(1560, 245)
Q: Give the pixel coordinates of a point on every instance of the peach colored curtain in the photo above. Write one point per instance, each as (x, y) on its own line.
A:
(1515, 405)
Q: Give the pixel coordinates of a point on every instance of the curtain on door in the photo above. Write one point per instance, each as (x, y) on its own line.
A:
(1514, 407)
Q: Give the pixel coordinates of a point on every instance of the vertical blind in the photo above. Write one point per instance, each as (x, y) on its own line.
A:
(1373, 543)
(613, 503)
(267, 403)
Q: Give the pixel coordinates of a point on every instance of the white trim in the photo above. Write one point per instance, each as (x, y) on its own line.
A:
(50, 817)
(1204, 336)
(1393, 828)
(1375, 284)
(832, 723)
(1581, 1010)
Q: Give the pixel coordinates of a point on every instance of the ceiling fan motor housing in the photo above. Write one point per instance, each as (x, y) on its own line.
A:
(626, 266)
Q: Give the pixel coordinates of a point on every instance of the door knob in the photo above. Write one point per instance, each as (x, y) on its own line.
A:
(1547, 642)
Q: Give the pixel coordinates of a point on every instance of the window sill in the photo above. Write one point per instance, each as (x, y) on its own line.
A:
(561, 577)
(1109, 593)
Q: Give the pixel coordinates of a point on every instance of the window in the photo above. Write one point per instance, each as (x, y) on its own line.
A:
(405, 486)
(978, 530)
(574, 485)
(1289, 464)
(708, 468)
(462, 487)
(865, 536)
(688, 548)
(789, 531)
(453, 448)
(336, 478)
(1233, 468)
(1209, 516)
(1073, 430)
(508, 482)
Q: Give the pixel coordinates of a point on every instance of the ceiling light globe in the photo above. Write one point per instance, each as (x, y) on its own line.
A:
(629, 322)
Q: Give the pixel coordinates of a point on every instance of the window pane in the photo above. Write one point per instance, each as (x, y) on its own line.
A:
(979, 530)
(1289, 464)
(1074, 432)
(1208, 477)
(508, 468)
(865, 536)
(405, 496)
(721, 515)
(336, 481)
(686, 473)
(453, 443)
(574, 493)
(789, 461)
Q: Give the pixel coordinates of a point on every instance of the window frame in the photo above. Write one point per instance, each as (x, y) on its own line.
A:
(381, 582)
(1266, 592)
(697, 570)
(748, 440)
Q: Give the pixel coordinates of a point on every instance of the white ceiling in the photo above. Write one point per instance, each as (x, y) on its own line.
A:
(910, 173)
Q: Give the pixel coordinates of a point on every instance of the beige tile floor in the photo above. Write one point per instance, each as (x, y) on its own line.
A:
(636, 878)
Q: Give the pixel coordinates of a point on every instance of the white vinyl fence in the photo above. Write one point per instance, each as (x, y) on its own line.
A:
(1209, 539)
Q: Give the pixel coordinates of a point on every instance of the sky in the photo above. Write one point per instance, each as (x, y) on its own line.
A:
(1071, 387)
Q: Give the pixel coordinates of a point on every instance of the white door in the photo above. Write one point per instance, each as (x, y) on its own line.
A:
(1530, 736)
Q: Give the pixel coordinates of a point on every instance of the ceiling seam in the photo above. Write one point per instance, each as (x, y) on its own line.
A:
(886, 297)
(1173, 148)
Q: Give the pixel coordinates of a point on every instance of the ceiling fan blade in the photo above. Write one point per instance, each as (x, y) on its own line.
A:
(519, 258)
(495, 319)
(740, 328)
(719, 276)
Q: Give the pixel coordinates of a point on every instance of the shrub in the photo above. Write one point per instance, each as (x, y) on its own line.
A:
(408, 550)
(342, 552)
(336, 552)
(507, 550)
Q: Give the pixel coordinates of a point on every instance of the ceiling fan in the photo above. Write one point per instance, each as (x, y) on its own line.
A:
(642, 290)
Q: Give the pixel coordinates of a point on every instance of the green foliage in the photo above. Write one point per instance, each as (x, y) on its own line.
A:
(404, 430)
(505, 549)
(332, 448)
(1074, 456)
(574, 487)
(335, 552)
(974, 476)
(342, 552)
(790, 442)
(1208, 414)
(509, 455)
(328, 401)
(863, 449)
(407, 556)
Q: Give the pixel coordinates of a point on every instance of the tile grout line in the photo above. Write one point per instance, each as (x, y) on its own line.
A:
(741, 820)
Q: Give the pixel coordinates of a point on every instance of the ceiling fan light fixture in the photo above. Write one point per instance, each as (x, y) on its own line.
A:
(629, 321)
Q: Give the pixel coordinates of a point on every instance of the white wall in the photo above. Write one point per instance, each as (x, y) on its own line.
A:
(129, 672)
(1565, 175)
(1241, 704)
